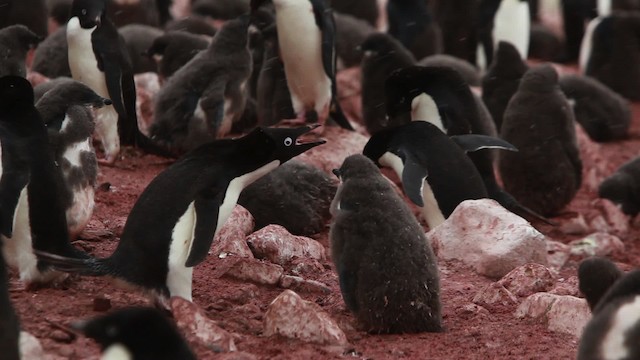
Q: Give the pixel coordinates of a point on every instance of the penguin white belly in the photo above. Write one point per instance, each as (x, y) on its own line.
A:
(82, 60)
(179, 276)
(614, 343)
(512, 23)
(83, 200)
(84, 68)
(301, 50)
(586, 44)
(116, 352)
(424, 108)
(18, 250)
(431, 210)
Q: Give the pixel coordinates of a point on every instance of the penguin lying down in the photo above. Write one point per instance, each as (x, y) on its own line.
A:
(171, 226)
(436, 172)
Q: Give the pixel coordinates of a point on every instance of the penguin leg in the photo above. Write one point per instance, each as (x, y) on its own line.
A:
(107, 133)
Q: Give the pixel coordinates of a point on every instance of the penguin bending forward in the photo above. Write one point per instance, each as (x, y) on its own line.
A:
(171, 226)
(387, 270)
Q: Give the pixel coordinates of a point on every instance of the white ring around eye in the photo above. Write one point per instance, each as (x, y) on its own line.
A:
(288, 141)
(84, 11)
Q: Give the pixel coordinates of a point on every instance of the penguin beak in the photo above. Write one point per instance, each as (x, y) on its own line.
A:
(336, 172)
(302, 140)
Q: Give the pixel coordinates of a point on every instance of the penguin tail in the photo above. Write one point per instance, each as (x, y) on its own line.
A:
(510, 203)
(87, 266)
(150, 147)
(336, 114)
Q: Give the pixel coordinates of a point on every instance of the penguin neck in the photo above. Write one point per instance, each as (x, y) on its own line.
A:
(424, 108)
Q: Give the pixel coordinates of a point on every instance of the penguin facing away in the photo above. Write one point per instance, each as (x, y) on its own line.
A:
(595, 276)
(413, 25)
(306, 36)
(623, 187)
(613, 331)
(173, 50)
(51, 57)
(175, 219)
(203, 99)
(15, 42)
(436, 173)
(98, 57)
(539, 121)
(382, 54)
(136, 333)
(65, 112)
(387, 271)
(32, 210)
(9, 323)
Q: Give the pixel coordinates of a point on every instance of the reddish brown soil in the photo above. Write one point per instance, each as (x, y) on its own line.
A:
(239, 307)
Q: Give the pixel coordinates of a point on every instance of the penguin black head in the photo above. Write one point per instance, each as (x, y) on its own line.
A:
(596, 275)
(620, 188)
(378, 145)
(508, 60)
(15, 92)
(543, 78)
(75, 92)
(284, 143)
(356, 166)
(228, 34)
(90, 13)
(138, 332)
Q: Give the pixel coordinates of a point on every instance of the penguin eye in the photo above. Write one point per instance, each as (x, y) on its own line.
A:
(288, 141)
(84, 11)
(112, 331)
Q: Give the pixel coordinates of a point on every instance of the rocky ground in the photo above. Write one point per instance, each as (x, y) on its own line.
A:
(233, 317)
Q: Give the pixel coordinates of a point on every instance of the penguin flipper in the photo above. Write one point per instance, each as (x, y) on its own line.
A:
(207, 208)
(348, 281)
(475, 142)
(213, 104)
(413, 178)
(10, 188)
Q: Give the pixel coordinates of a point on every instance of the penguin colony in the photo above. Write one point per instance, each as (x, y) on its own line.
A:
(238, 100)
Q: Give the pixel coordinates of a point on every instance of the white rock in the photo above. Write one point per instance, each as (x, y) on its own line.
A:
(230, 240)
(340, 144)
(291, 316)
(569, 315)
(528, 279)
(256, 271)
(564, 314)
(576, 225)
(197, 327)
(597, 244)
(567, 286)
(30, 347)
(300, 284)
(492, 240)
(277, 245)
(557, 254)
(494, 294)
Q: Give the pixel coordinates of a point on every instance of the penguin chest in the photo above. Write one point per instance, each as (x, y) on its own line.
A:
(179, 276)
(301, 51)
(615, 343)
(18, 250)
(82, 59)
(512, 24)
(116, 351)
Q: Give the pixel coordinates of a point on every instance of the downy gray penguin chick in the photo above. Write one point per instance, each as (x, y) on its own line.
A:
(387, 270)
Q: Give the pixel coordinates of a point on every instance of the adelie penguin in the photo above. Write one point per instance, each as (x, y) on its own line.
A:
(387, 270)
(203, 99)
(136, 333)
(436, 173)
(502, 20)
(172, 50)
(99, 58)
(15, 42)
(413, 25)
(612, 332)
(381, 55)
(70, 125)
(440, 96)
(623, 187)
(175, 219)
(32, 210)
(306, 37)
(539, 121)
